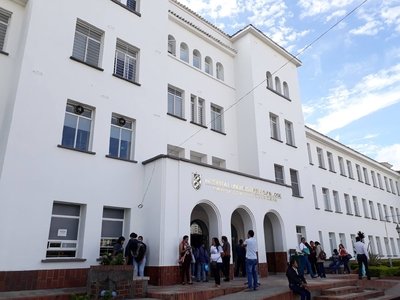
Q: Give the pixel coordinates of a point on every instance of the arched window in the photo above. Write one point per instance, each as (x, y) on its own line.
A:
(171, 45)
(285, 89)
(269, 80)
(196, 59)
(278, 85)
(220, 71)
(184, 52)
(208, 65)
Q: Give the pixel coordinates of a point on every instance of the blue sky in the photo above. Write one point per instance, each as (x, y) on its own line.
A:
(350, 78)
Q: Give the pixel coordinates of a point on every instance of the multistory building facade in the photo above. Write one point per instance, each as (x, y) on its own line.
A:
(122, 115)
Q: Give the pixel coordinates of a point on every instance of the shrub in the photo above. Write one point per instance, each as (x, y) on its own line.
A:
(383, 271)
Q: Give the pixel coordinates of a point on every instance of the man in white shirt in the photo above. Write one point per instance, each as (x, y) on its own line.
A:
(251, 260)
(362, 257)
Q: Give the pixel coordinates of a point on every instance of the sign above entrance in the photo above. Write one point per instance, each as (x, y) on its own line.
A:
(224, 186)
(196, 181)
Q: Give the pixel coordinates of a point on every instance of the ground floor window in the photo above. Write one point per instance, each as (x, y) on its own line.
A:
(111, 228)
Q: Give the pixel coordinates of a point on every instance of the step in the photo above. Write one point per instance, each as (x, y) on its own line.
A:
(387, 297)
(347, 289)
(59, 294)
(365, 294)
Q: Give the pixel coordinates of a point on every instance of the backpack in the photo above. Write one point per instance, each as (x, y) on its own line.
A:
(139, 252)
(322, 255)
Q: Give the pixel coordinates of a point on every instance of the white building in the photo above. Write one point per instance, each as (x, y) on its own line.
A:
(142, 116)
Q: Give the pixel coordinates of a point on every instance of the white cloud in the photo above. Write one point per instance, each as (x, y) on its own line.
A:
(369, 28)
(317, 7)
(390, 154)
(336, 14)
(345, 105)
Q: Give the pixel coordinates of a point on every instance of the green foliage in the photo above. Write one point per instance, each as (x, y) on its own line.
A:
(80, 297)
(374, 259)
(108, 259)
(383, 271)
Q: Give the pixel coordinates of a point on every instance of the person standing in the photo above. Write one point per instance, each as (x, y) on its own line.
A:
(130, 251)
(303, 257)
(226, 258)
(240, 263)
(362, 257)
(216, 260)
(297, 282)
(141, 256)
(344, 258)
(118, 247)
(185, 259)
(201, 262)
(251, 260)
(320, 260)
(312, 258)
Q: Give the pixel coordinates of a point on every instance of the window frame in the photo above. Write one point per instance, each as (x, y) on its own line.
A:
(331, 164)
(122, 125)
(217, 113)
(196, 59)
(184, 52)
(327, 200)
(197, 110)
(279, 170)
(219, 71)
(321, 158)
(107, 242)
(294, 174)
(289, 130)
(130, 53)
(3, 38)
(177, 100)
(274, 127)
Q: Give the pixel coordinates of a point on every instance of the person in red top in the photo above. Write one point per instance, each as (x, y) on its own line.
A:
(185, 259)
(344, 258)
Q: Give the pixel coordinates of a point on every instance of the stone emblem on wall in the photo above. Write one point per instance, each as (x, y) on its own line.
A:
(196, 181)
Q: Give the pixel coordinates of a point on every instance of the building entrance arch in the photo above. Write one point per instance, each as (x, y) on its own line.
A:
(274, 245)
(203, 224)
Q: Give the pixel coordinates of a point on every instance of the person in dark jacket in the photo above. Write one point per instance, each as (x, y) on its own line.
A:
(297, 283)
(240, 263)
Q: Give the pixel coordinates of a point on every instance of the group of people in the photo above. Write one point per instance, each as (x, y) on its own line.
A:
(311, 257)
(135, 252)
(218, 260)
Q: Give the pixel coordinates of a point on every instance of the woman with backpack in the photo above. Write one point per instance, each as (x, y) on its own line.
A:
(321, 257)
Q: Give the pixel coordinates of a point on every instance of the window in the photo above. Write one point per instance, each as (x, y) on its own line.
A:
(218, 162)
(184, 52)
(112, 227)
(372, 243)
(330, 162)
(309, 153)
(388, 252)
(392, 186)
(359, 175)
(332, 241)
(349, 211)
(279, 176)
(379, 245)
(4, 21)
(198, 157)
(392, 245)
(386, 184)
(341, 166)
(77, 127)
(314, 189)
(342, 239)
(175, 102)
(220, 71)
(380, 212)
(373, 179)
(64, 230)
(269, 80)
(327, 200)
(289, 133)
(274, 123)
(365, 207)
(197, 110)
(380, 181)
(397, 188)
(385, 210)
(278, 85)
(196, 59)
(336, 201)
(349, 169)
(87, 43)
(285, 90)
(366, 178)
(208, 65)
(356, 207)
(171, 45)
(131, 4)
(397, 216)
(216, 118)
(321, 161)
(294, 177)
(372, 210)
(353, 240)
(394, 216)
(175, 151)
(121, 137)
(125, 63)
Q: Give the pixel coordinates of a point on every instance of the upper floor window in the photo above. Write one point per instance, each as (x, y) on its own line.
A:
(341, 166)
(289, 133)
(175, 151)
(391, 186)
(309, 153)
(327, 200)
(184, 52)
(314, 189)
(196, 59)
(125, 63)
(269, 80)
(171, 45)
(121, 137)
(387, 184)
(330, 161)
(321, 160)
(198, 157)
(77, 127)
(336, 201)
(112, 227)
(285, 89)
(218, 162)
(380, 181)
(175, 102)
(64, 230)
(208, 65)
(398, 190)
(356, 207)
(294, 177)
(274, 124)
(220, 71)
(4, 21)
(348, 204)
(349, 169)
(87, 43)
(131, 4)
(216, 118)
(197, 110)
(366, 178)
(373, 179)
(359, 175)
(278, 87)
(372, 209)
(279, 176)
